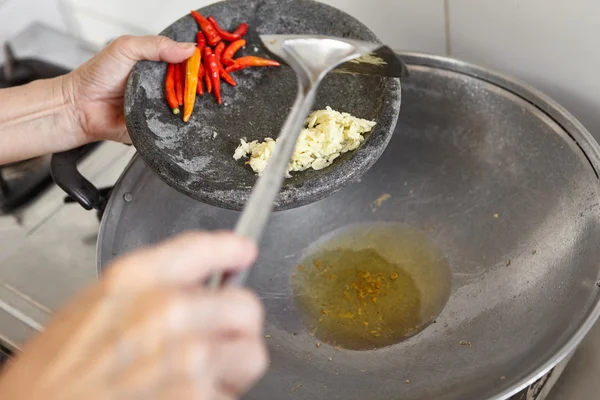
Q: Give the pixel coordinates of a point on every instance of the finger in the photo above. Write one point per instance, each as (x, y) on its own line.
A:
(151, 48)
(187, 259)
(227, 313)
(240, 364)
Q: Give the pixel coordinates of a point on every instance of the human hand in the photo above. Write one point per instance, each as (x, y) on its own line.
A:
(95, 90)
(149, 330)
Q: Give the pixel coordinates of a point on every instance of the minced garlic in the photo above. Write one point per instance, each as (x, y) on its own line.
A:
(327, 135)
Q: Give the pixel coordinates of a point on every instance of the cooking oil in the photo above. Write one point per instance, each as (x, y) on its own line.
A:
(371, 286)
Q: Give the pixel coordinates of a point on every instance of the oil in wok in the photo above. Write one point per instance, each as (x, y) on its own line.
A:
(371, 286)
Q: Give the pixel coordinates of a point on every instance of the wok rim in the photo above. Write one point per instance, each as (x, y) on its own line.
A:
(575, 130)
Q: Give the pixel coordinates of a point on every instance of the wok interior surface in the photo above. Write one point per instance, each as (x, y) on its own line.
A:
(489, 178)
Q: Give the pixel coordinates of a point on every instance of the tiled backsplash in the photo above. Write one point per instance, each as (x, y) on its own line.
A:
(550, 44)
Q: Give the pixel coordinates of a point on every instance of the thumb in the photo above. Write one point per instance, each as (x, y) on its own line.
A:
(187, 259)
(151, 48)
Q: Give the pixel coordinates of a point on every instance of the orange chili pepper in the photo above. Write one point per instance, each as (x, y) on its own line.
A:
(212, 36)
(191, 84)
(251, 61)
(179, 83)
(222, 73)
(170, 89)
(233, 48)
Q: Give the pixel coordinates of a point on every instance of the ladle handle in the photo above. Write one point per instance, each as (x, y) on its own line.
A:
(260, 205)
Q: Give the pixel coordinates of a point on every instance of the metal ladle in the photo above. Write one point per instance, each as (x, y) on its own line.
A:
(311, 57)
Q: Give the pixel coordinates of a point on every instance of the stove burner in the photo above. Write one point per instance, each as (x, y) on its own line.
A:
(22, 181)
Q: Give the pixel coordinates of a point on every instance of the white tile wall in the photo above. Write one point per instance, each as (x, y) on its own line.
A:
(15, 15)
(411, 25)
(403, 24)
(554, 45)
(151, 16)
(98, 29)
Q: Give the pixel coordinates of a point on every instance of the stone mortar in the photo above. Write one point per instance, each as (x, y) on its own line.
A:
(189, 158)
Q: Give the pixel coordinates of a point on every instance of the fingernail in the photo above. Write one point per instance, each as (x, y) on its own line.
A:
(186, 46)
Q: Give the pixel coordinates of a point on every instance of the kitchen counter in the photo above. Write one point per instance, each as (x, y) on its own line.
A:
(48, 250)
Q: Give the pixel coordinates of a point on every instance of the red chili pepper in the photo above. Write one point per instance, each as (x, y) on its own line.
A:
(227, 78)
(170, 89)
(200, 88)
(213, 73)
(226, 35)
(241, 30)
(233, 48)
(212, 35)
(251, 61)
(179, 77)
(207, 51)
(207, 82)
(222, 73)
(201, 40)
(219, 49)
(200, 79)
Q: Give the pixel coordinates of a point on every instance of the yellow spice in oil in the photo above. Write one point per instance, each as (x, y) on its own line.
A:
(371, 286)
